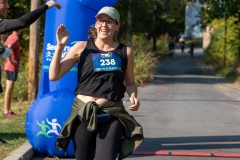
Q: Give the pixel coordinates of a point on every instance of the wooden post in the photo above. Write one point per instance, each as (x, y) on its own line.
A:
(33, 55)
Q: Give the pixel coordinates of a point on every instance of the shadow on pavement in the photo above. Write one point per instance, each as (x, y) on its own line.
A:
(191, 143)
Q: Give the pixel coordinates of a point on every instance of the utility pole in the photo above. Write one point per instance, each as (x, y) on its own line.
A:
(154, 26)
(225, 39)
(33, 55)
(225, 31)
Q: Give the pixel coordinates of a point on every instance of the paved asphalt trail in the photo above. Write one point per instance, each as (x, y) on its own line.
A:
(187, 109)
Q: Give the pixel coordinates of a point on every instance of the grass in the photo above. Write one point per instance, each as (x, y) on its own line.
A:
(198, 42)
(12, 129)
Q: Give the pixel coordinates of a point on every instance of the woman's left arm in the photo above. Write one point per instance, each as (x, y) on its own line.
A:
(130, 82)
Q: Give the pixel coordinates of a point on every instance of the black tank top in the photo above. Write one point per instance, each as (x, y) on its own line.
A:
(101, 74)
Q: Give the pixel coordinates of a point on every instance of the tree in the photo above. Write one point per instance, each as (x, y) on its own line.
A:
(33, 56)
(156, 17)
(221, 9)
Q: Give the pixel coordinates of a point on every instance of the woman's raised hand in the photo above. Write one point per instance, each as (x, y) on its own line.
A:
(62, 35)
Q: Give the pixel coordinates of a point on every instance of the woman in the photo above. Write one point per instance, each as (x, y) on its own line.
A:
(99, 124)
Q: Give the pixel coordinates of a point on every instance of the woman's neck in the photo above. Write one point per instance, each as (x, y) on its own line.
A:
(106, 45)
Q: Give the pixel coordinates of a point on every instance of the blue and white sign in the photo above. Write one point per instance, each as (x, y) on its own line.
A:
(103, 62)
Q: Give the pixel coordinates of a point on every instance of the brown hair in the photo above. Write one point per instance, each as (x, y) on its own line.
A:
(92, 33)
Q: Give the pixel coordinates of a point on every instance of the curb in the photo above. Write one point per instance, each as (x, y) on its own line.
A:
(24, 152)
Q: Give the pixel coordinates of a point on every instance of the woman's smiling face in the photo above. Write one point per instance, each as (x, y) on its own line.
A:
(106, 26)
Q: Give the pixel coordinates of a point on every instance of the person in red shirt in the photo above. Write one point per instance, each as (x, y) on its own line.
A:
(11, 68)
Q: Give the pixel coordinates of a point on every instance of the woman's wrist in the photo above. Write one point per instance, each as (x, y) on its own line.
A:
(60, 46)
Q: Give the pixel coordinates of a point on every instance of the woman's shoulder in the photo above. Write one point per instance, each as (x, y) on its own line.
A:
(80, 44)
(122, 45)
(78, 47)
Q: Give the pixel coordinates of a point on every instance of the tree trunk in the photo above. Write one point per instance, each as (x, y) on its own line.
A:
(129, 23)
(225, 40)
(154, 26)
(33, 55)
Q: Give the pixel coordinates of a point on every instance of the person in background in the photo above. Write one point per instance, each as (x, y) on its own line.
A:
(9, 25)
(192, 46)
(99, 125)
(182, 43)
(171, 46)
(11, 68)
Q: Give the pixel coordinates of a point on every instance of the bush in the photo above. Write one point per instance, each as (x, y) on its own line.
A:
(145, 61)
(216, 54)
(229, 73)
(162, 47)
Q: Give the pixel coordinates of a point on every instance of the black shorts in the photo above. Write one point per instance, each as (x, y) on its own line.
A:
(12, 76)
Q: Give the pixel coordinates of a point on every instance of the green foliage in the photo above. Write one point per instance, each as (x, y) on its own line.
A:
(229, 73)
(219, 9)
(138, 18)
(162, 47)
(223, 52)
(172, 17)
(144, 60)
(169, 17)
(216, 54)
(17, 9)
(197, 41)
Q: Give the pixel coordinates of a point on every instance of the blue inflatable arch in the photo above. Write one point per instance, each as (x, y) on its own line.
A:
(50, 110)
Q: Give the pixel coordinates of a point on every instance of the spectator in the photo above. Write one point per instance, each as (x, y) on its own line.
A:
(11, 68)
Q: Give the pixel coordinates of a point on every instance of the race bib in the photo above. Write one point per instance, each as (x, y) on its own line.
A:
(109, 61)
